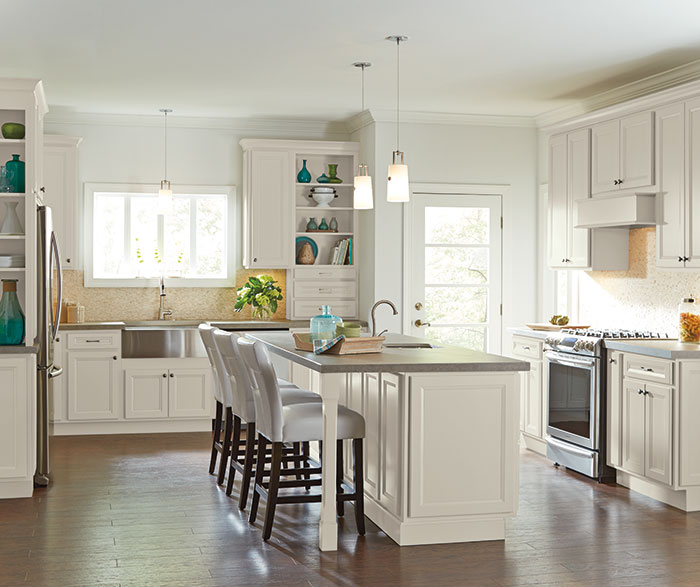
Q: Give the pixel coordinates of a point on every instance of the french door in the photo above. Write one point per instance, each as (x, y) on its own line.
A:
(453, 269)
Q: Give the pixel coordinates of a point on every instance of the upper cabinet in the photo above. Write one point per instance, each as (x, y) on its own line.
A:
(623, 154)
(61, 192)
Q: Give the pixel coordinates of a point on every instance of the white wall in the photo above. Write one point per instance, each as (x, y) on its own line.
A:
(441, 153)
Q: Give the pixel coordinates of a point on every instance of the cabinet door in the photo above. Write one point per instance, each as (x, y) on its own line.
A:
(557, 203)
(146, 393)
(637, 151)
(633, 424)
(61, 185)
(524, 380)
(670, 169)
(391, 443)
(269, 211)
(372, 415)
(15, 415)
(355, 401)
(614, 405)
(692, 201)
(189, 393)
(657, 460)
(579, 188)
(57, 385)
(93, 385)
(605, 157)
(688, 429)
(533, 400)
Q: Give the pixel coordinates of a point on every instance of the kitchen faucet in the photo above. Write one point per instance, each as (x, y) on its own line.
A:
(374, 320)
(162, 312)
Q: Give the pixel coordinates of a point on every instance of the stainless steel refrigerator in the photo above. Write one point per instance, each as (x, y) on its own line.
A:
(48, 319)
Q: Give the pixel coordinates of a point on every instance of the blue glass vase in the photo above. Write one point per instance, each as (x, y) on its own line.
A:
(304, 176)
(15, 174)
(11, 315)
(323, 325)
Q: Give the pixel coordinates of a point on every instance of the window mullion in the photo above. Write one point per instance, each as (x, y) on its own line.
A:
(127, 234)
(193, 235)
(161, 242)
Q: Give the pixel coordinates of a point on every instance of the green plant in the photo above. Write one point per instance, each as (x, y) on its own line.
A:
(262, 293)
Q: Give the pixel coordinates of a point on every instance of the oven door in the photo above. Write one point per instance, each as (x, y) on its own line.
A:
(573, 398)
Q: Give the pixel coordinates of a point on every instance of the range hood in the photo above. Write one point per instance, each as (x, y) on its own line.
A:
(624, 211)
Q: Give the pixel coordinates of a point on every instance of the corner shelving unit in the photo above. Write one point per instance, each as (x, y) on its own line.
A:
(23, 101)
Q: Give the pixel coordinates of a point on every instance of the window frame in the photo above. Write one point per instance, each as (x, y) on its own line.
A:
(232, 237)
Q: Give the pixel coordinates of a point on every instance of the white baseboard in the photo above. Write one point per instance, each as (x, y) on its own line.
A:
(130, 427)
(16, 488)
(534, 444)
(687, 499)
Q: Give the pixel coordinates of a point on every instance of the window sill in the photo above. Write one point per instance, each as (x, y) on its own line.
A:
(154, 282)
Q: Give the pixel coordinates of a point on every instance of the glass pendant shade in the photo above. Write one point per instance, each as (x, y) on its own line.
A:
(363, 198)
(165, 197)
(397, 185)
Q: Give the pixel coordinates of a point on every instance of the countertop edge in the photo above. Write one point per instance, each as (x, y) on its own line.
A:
(19, 350)
(638, 348)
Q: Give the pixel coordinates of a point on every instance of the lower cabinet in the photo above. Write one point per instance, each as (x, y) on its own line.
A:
(189, 392)
(94, 384)
(146, 393)
(533, 396)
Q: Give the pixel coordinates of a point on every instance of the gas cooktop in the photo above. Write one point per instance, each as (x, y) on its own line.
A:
(615, 333)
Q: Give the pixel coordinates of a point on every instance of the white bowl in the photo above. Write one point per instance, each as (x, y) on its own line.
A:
(323, 199)
(322, 189)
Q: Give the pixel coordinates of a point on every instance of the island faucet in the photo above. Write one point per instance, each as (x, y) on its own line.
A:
(374, 320)
(162, 312)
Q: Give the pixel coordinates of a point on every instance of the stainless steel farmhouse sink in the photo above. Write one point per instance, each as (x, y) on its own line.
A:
(161, 341)
(409, 345)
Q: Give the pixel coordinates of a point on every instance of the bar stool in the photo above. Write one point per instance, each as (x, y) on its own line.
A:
(244, 409)
(279, 424)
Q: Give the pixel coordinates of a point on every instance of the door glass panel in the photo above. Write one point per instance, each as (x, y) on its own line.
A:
(464, 226)
(456, 305)
(473, 337)
(570, 399)
(456, 265)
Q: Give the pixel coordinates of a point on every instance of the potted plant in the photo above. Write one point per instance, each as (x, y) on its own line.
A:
(262, 293)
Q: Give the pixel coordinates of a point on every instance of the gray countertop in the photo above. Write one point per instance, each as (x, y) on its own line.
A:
(664, 349)
(223, 324)
(525, 331)
(19, 350)
(391, 360)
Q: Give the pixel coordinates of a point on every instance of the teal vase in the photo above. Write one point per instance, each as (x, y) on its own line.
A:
(15, 174)
(323, 178)
(311, 224)
(323, 325)
(11, 315)
(333, 173)
(304, 176)
(323, 225)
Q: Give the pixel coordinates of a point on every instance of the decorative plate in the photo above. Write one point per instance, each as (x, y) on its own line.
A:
(305, 239)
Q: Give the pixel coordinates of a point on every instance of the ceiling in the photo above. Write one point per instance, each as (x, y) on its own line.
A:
(282, 59)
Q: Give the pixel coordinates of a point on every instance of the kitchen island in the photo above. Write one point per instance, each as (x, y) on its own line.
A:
(441, 441)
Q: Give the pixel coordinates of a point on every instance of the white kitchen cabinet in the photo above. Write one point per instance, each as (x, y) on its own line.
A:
(623, 154)
(533, 392)
(94, 384)
(268, 209)
(570, 184)
(189, 392)
(391, 446)
(17, 424)
(614, 405)
(57, 396)
(688, 428)
(372, 433)
(533, 400)
(633, 423)
(61, 192)
(692, 201)
(145, 393)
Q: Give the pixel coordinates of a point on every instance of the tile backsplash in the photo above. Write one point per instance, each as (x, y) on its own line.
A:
(643, 297)
(106, 304)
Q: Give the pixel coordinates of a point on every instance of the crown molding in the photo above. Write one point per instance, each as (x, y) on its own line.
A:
(293, 127)
(683, 74)
(452, 119)
(358, 121)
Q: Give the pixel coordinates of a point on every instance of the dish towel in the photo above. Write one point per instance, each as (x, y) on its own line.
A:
(321, 346)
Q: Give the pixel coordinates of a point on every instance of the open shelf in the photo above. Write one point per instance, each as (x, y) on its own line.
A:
(325, 233)
(12, 269)
(12, 195)
(346, 208)
(12, 237)
(12, 141)
(326, 185)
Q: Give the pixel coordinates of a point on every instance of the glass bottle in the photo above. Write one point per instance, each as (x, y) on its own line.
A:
(11, 315)
(323, 325)
(4, 183)
(323, 225)
(689, 315)
(333, 225)
(304, 176)
(333, 173)
(15, 174)
(311, 224)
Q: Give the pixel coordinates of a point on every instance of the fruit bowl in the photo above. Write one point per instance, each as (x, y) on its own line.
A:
(13, 130)
(323, 196)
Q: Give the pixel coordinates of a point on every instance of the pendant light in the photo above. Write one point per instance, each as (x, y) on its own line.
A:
(165, 194)
(397, 184)
(363, 199)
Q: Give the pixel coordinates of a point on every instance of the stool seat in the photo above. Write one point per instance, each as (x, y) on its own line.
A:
(304, 422)
(284, 383)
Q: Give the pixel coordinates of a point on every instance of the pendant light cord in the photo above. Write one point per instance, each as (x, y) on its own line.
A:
(165, 166)
(363, 88)
(398, 79)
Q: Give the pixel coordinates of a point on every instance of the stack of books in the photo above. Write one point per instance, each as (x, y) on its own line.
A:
(342, 252)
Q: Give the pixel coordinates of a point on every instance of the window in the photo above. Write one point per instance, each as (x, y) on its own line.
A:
(131, 243)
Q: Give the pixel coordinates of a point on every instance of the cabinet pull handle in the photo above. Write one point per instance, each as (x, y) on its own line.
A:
(92, 340)
(612, 361)
(640, 392)
(526, 348)
(647, 369)
(325, 290)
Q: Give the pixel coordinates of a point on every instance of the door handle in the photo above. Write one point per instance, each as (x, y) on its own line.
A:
(420, 323)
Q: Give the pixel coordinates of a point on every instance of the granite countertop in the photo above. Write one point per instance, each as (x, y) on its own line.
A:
(664, 349)
(19, 350)
(392, 360)
(525, 331)
(223, 324)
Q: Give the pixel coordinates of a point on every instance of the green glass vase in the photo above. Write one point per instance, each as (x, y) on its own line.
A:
(15, 174)
(11, 315)
(333, 173)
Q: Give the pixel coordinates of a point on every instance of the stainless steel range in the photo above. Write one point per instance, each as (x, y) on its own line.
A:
(575, 364)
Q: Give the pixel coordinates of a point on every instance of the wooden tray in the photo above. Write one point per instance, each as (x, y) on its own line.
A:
(349, 346)
(546, 326)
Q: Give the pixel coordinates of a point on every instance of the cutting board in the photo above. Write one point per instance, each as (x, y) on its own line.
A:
(546, 326)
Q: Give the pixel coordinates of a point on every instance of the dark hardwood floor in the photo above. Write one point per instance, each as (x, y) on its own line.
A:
(142, 510)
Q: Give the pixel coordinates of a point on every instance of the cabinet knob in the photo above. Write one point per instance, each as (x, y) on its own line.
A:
(42, 189)
(114, 358)
(67, 260)
(615, 182)
(172, 375)
(165, 375)
(619, 181)
(640, 392)
(680, 259)
(686, 258)
(255, 259)
(612, 361)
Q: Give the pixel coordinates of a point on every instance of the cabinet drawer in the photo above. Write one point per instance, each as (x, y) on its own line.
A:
(527, 348)
(344, 308)
(321, 272)
(648, 369)
(326, 288)
(97, 339)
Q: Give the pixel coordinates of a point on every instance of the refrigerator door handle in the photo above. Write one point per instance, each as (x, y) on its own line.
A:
(55, 371)
(54, 255)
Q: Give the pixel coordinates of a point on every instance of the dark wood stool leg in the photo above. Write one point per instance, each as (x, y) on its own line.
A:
(235, 445)
(215, 437)
(340, 505)
(248, 469)
(259, 470)
(225, 446)
(306, 451)
(272, 489)
(358, 481)
(298, 461)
